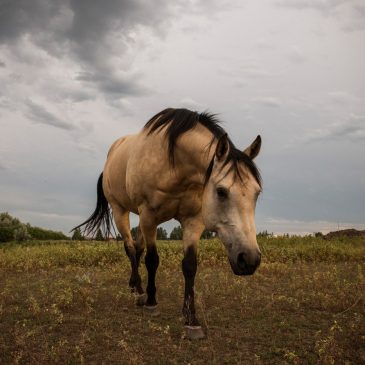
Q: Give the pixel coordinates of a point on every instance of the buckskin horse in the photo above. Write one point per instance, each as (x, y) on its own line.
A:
(181, 165)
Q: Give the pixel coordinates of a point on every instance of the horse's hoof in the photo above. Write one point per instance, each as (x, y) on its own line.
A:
(152, 310)
(194, 332)
(140, 299)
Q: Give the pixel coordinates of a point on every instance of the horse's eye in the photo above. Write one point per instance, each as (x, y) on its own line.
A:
(222, 193)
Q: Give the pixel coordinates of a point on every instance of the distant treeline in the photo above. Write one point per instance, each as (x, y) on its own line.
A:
(12, 229)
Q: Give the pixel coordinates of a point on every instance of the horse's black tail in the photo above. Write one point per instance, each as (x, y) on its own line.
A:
(101, 218)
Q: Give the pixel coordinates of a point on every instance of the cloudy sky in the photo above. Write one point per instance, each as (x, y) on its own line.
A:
(77, 74)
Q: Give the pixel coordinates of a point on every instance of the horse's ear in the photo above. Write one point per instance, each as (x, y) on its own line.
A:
(222, 148)
(254, 149)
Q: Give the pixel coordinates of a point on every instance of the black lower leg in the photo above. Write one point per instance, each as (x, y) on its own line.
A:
(139, 245)
(152, 261)
(189, 266)
(139, 252)
(134, 255)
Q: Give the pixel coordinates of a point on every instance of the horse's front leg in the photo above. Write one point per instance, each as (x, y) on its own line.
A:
(149, 229)
(192, 230)
(139, 246)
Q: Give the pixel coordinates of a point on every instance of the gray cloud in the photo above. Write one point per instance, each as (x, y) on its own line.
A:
(40, 115)
(18, 17)
(268, 102)
(74, 95)
(113, 85)
(190, 104)
(97, 35)
(355, 26)
(324, 6)
(94, 33)
(357, 18)
(343, 97)
(249, 71)
(352, 129)
(296, 55)
(349, 12)
(100, 41)
(89, 27)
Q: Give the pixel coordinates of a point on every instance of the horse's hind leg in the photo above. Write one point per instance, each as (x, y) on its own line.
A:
(135, 279)
(133, 249)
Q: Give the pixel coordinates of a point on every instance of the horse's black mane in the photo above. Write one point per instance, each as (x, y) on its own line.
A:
(179, 121)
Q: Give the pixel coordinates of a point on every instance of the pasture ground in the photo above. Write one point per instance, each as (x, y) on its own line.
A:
(69, 303)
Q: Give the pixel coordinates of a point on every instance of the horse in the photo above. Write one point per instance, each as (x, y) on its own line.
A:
(182, 165)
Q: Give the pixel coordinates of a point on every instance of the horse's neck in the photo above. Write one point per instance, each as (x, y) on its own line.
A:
(195, 151)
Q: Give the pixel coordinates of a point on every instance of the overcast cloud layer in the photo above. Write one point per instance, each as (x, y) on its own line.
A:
(76, 75)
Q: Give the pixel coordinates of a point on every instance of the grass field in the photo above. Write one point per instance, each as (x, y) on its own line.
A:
(69, 303)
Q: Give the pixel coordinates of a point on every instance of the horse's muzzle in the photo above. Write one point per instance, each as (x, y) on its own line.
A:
(246, 263)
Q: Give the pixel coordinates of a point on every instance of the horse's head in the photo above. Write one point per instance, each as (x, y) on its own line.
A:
(229, 203)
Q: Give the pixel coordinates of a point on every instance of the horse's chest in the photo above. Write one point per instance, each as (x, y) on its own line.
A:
(177, 205)
(190, 204)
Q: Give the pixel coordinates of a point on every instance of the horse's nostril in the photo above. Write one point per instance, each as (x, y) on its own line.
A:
(241, 262)
(247, 264)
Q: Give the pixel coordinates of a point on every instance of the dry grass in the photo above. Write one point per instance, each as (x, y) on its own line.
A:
(69, 303)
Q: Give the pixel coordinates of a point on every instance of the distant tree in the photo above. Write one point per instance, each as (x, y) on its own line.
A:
(161, 233)
(206, 235)
(6, 219)
(176, 233)
(265, 234)
(12, 229)
(6, 234)
(45, 234)
(21, 233)
(99, 236)
(318, 234)
(134, 231)
(77, 236)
